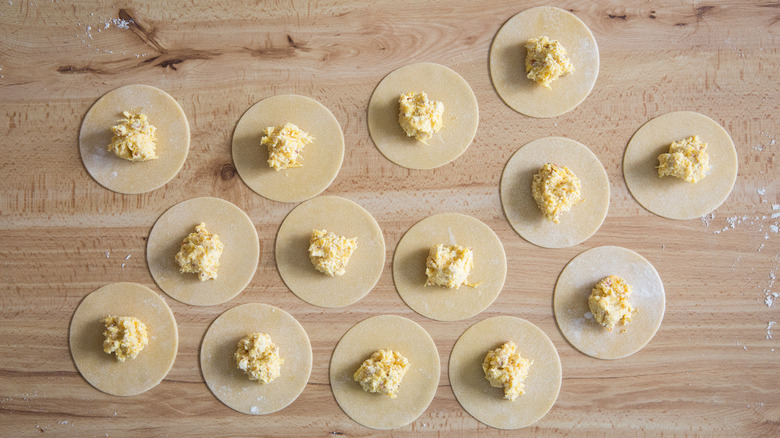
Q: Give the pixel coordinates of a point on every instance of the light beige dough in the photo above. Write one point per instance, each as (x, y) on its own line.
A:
(229, 384)
(378, 411)
(344, 218)
(461, 116)
(507, 62)
(670, 197)
(123, 176)
(441, 303)
(486, 403)
(574, 285)
(577, 224)
(237, 264)
(102, 370)
(320, 160)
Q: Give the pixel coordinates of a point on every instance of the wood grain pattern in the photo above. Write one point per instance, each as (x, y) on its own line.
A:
(710, 370)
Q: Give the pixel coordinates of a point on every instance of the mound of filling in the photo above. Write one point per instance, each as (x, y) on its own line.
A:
(419, 116)
(555, 189)
(449, 266)
(258, 357)
(608, 302)
(134, 138)
(687, 159)
(546, 61)
(199, 253)
(125, 336)
(285, 145)
(505, 368)
(330, 253)
(382, 372)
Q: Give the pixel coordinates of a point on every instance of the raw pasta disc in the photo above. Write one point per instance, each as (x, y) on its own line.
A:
(344, 218)
(571, 302)
(320, 160)
(229, 384)
(102, 370)
(671, 197)
(486, 403)
(378, 411)
(438, 302)
(460, 120)
(577, 224)
(507, 62)
(237, 264)
(123, 176)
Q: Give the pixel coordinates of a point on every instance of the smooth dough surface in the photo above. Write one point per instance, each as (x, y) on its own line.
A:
(460, 120)
(345, 218)
(574, 285)
(237, 264)
(441, 303)
(418, 386)
(321, 160)
(123, 176)
(229, 384)
(102, 370)
(577, 224)
(507, 62)
(668, 196)
(486, 403)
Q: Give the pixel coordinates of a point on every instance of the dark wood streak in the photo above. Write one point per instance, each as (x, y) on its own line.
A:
(701, 10)
(621, 17)
(70, 69)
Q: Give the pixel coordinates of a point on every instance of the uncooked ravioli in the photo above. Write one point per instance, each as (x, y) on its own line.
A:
(320, 160)
(441, 303)
(229, 384)
(102, 370)
(460, 120)
(573, 315)
(487, 403)
(668, 196)
(507, 62)
(123, 176)
(344, 218)
(237, 264)
(522, 212)
(378, 411)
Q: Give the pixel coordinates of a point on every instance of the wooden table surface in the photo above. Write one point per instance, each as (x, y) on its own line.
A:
(712, 368)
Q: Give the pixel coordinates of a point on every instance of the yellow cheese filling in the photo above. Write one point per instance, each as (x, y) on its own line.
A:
(134, 138)
(285, 145)
(199, 253)
(449, 266)
(546, 61)
(555, 189)
(382, 372)
(505, 368)
(125, 336)
(420, 117)
(608, 302)
(687, 159)
(330, 253)
(258, 357)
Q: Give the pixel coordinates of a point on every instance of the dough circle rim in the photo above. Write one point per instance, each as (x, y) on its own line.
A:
(238, 262)
(287, 387)
(486, 403)
(172, 144)
(524, 95)
(648, 297)
(437, 302)
(440, 83)
(157, 355)
(320, 163)
(576, 225)
(335, 214)
(418, 386)
(670, 197)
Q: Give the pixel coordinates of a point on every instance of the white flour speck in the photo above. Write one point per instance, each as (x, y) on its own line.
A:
(769, 326)
(128, 256)
(107, 254)
(255, 410)
(761, 191)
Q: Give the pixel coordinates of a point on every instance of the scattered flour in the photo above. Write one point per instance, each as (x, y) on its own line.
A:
(769, 326)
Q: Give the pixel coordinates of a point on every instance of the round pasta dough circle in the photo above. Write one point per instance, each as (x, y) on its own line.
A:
(123, 176)
(486, 403)
(378, 411)
(507, 62)
(321, 160)
(344, 218)
(441, 303)
(237, 264)
(671, 197)
(229, 384)
(440, 83)
(574, 285)
(102, 370)
(577, 224)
